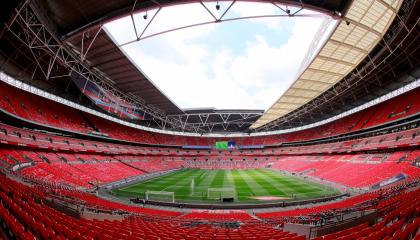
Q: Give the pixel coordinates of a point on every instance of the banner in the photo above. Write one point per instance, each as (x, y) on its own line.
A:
(106, 100)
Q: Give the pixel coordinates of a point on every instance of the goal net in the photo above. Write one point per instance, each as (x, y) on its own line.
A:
(221, 193)
(160, 196)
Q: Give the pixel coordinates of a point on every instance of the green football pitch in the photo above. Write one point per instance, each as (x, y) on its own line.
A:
(251, 185)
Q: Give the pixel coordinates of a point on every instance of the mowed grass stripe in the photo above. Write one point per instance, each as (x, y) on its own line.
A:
(202, 183)
(294, 185)
(182, 185)
(205, 181)
(172, 182)
(256, 188)
(241, 186)
(270, 185)
(169, 180)
(285, 186)
(151, 181)
(218, 179)
(202, 177)
(229, 181)
(302, 184)
(166, 183)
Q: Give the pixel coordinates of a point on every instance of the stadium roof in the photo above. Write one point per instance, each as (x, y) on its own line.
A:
(80, 24)
(393, 62)
(220, 121)
(364, 25)
(69, 17)
(104, 55)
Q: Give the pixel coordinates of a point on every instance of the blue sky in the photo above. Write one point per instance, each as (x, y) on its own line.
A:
(243, 64)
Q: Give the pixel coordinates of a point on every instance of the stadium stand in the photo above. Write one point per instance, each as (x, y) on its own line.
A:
(391, 110)
(41, 110)
(151, 159)
(219, 215)
(84, 175)
(29, 206)
(402, 222)
(56, 172)
(350, 202)
(54, 166)
(32, 217)
(362, 170)
(23, 137)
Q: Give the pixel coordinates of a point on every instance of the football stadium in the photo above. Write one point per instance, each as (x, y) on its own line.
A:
(230, 119)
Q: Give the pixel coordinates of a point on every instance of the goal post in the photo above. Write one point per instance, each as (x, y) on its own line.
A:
(160, 196)
(192, 186)
(221, 193)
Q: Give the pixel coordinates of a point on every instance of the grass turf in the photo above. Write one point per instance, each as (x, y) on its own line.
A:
(248, 184)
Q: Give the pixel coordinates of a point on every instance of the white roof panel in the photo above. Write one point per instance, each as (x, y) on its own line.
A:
(363, 27)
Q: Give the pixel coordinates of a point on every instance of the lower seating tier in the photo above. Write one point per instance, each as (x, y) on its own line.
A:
(361, 170)
(89, 170)
(26, 216)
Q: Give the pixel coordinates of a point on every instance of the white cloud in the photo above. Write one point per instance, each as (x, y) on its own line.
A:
(194, 75)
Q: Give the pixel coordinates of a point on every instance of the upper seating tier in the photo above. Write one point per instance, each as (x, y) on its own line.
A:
(44, 111)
